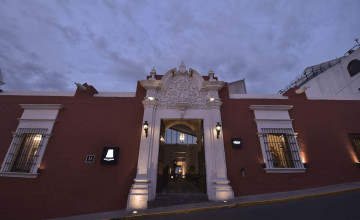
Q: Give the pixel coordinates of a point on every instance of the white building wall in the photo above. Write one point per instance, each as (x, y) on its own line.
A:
(335, 81)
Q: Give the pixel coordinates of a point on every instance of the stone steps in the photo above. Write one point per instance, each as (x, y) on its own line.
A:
(170, 199)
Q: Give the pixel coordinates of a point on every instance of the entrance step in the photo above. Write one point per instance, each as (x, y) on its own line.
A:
(170, 199)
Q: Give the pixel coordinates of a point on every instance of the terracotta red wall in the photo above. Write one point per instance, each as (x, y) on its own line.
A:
(67, 186)
(323, 129)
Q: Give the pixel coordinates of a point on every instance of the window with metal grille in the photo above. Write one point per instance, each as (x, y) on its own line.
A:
(281, 148)
(24, 150)
(356, 143)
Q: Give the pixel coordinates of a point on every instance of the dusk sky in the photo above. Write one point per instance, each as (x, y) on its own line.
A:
(49, 45)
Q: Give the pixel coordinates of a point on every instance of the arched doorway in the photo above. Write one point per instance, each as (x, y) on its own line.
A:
(180, 97)
(181, 162)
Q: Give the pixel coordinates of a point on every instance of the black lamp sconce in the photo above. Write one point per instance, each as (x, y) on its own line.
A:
(243, 172)
(146, 127)
(358, 164)
(305, 165)
(218, 129)
(263, 165)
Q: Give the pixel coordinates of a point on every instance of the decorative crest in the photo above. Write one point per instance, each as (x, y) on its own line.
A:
(153, 73)
(182, 68)
(211, 75)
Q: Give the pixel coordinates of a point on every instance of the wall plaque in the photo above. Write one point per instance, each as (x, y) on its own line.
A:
(90, 159)
(110, 155)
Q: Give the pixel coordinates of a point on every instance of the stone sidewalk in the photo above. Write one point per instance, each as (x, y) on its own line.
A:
(238, 201)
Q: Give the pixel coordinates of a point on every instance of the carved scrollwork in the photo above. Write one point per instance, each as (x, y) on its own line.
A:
(182, 88)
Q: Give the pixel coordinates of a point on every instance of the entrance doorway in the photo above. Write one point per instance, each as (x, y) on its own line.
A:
(181, 164)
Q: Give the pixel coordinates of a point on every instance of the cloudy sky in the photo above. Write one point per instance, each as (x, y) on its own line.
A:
(49, 45)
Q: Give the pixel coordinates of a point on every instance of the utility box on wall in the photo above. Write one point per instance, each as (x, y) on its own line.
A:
(236, 142)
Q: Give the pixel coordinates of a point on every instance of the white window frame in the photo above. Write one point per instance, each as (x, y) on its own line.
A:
(275, 117)
(35, 116)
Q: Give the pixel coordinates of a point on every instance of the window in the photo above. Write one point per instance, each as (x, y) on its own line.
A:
(23, 158)
(355, 139)
(278, 143)
(281, 148)
(173, 136)
(354, 67)
(24, 150)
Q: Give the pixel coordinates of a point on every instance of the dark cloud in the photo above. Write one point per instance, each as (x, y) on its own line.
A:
(112, 44)
(31, 76)
(122, 68)
(10, 42)
(64, 5)
(69, 33)
(112, 6)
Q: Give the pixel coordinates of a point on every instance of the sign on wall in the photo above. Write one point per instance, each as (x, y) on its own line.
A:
(90, 159)
(110, 155)
(236, 142)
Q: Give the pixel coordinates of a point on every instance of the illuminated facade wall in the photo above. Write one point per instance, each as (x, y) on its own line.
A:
(88, 122)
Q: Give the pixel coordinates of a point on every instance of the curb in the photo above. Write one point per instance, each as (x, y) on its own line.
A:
(239, 204)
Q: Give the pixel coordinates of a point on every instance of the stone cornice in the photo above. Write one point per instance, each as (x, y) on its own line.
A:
(285, 170)
(212, 85)
(214, 104)
(151, 84)
(271, 107)
(150, 103)
(20, 175)
(42, 106)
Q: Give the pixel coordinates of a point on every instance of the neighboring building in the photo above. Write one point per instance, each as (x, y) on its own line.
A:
(66, 153)
(335, 79)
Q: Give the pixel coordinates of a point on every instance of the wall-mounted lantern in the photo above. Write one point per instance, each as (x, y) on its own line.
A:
(218, 129)
(242, 172)
(146, 127)
(162, 139)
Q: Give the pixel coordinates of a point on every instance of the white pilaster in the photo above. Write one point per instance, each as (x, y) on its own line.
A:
(221, 188)
(141, 189)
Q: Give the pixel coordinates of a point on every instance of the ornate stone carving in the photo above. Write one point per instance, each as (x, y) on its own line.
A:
(182, 88)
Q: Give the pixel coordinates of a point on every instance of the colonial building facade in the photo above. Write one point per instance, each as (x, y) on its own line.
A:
(71, 153)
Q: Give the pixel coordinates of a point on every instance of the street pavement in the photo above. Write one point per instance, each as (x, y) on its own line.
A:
(340, 201)
(343, 206)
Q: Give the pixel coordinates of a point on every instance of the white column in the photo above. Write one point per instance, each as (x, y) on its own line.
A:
(222, 189)
(141, 189)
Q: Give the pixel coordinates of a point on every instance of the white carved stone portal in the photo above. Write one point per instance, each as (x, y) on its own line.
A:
(181, 89)
(180, 94)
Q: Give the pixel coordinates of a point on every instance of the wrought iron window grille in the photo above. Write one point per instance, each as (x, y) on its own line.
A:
(24, 150)
(355, 139)
(281, 148)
